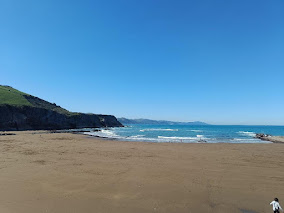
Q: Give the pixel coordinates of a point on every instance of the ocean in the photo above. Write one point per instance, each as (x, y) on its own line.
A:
(189, 134)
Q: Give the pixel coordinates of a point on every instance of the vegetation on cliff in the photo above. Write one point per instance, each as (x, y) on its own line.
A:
(21, 111)
(13, 97)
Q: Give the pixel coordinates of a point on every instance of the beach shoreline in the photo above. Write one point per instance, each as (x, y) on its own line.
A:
(187, 134)
(64, 172)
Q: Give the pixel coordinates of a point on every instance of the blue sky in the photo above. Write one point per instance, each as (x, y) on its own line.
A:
(217, 61)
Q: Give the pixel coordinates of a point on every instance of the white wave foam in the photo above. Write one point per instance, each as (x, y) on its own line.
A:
(245, 139)
(248, 140)
(142, 139)
(137, 136)
(195, 130)
(148, 130)
(115, 134)
(103, 133)
(251, 134)
(178, 138)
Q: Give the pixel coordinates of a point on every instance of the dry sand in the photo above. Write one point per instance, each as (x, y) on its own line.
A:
(64, 172)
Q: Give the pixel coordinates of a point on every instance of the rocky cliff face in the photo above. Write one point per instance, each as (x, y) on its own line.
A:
(36, 118)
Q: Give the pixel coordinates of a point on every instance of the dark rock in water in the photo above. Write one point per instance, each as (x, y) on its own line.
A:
(261, 135)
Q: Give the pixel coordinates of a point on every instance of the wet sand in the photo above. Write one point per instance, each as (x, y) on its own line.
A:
(64, 172)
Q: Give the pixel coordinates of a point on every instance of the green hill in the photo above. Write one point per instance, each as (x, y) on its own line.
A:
(11, 96)
(21, 111)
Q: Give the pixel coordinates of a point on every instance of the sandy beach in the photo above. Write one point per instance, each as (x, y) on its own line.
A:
(63, 172)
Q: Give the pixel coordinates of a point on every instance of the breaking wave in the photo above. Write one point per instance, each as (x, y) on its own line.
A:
(149, 130)
(180, 134)
(251, 134)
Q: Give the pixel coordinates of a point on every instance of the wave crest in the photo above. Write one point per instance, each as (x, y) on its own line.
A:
(149, 130)
(246, 133)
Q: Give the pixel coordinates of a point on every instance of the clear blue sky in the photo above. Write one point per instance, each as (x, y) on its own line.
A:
(217, 61)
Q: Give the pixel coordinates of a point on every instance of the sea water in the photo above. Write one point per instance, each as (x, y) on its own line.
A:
(189, 134)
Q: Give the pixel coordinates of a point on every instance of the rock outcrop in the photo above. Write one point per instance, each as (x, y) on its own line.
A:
(35, 118)
(21, 111)
(273, 139)
(262, 136)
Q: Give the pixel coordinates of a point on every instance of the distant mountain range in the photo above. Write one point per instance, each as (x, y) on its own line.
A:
(126, 121)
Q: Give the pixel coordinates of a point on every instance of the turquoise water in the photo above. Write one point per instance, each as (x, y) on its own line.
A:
(189, 134)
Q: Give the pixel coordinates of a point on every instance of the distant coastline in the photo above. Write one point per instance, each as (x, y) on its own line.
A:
(127, 121)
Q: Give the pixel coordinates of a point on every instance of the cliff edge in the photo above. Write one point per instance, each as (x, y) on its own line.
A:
(21, 111)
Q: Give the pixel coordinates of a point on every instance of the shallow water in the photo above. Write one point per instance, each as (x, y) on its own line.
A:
(189, 134)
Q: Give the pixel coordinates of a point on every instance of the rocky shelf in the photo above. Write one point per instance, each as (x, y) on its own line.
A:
(274, 139)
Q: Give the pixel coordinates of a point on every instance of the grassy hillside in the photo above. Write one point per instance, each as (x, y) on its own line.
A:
(11, 96)
(21, 111)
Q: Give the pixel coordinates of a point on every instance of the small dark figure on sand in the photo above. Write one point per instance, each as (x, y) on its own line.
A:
(276, 206)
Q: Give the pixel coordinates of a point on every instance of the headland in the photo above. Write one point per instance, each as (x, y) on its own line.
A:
(21, 111)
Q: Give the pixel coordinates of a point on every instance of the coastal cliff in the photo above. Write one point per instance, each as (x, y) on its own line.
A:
(21, 111)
